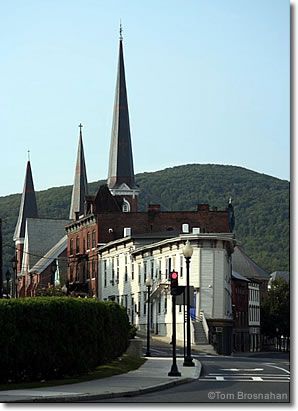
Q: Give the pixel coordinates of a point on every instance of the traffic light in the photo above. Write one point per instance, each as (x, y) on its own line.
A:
(174, 283)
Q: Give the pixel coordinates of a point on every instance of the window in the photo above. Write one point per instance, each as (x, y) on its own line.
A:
(71, 273)
(77, 272)
(93, 269)
(125, 206)
(145, 304)
(77, 245)
(145, 271)
(71, 246)
(93, 239)
(166, 303)
(126, 270)
(88, 240)
(152, 268)
(139, 304)
(181, 266)
(167, 268)
(132, 271)
(159, 304)
(173, 263)
(139, 273)
(105, 272)
(159, 269)
(125, 301)
(117, 260)
(113, 270)
(87, 270)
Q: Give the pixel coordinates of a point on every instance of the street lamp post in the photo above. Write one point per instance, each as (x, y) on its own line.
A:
(148, 285)
(187, 252)
(14, 263)
(8, 277)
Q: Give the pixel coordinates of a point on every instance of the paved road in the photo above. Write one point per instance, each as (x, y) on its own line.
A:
(243, 378)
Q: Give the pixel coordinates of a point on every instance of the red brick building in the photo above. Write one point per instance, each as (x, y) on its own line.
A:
(240, 312)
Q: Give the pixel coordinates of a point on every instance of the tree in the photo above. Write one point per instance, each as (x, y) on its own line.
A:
(275, 310)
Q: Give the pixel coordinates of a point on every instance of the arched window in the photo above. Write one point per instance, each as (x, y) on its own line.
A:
(125, 206)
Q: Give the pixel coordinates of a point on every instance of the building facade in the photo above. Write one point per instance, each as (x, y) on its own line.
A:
(240, 302)
(254, 315)
(124, 266)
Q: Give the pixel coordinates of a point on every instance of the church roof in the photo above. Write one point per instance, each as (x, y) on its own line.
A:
(245, 266)
(80, 185)
(28, 206)
(121, 168)
(40, 236)
(50, 256)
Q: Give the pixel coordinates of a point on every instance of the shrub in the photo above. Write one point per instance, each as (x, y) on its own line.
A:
(132, 331)
(50, 337)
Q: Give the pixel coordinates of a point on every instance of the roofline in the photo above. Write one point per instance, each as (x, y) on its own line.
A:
(182, 237)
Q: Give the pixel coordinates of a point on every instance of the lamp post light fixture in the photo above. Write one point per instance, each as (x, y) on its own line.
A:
(14, 263)
(8, 277)
(148, 285)
(53, 272)
(64, 289)
(187, 252)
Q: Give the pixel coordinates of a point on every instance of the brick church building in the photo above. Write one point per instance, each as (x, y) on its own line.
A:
(113, 212)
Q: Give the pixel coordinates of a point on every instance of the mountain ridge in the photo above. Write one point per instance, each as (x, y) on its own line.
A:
(261, 205)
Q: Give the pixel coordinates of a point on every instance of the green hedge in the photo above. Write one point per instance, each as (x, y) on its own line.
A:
(50, 337)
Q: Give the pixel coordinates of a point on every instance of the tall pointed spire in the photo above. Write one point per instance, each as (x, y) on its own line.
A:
(28, 207)
(80, 185)
(121, 168)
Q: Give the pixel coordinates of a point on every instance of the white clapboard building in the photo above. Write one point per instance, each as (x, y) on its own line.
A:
(126, 264)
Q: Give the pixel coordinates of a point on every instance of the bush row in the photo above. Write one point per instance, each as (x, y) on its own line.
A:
(51, 337)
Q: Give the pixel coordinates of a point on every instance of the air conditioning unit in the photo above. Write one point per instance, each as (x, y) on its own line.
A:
(218, 329)
(127, 231)
(196, 230)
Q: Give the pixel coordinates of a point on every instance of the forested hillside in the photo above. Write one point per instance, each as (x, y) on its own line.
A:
(261, 205)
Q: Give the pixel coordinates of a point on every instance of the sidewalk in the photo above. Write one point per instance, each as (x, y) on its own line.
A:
(206, 348)
(150, 377)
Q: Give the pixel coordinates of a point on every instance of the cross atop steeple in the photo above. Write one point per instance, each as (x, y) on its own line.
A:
(80, 125)
(121, 38)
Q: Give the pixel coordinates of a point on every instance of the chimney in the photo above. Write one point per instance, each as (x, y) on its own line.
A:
(154, 207)
(203, 207)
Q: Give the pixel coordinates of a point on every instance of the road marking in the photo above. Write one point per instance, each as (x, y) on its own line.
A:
(257, 378)
(251, 375)
(219, 378)
(279, 368)
(244, 380)
(242, 369)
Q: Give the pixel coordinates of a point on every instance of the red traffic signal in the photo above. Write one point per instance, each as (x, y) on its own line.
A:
(174, 282)
(174, 275)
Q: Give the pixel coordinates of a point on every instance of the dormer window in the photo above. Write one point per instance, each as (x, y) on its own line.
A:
(125, 206)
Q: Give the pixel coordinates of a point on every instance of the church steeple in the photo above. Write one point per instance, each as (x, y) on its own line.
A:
(80, 185)
(121, 179)
(28, 207)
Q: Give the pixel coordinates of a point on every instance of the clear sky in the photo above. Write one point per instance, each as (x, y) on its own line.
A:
(207, 81)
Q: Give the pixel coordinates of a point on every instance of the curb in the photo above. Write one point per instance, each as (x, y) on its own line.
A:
(93, 397)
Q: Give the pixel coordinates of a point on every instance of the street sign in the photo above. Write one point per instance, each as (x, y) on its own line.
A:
(179, 297)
